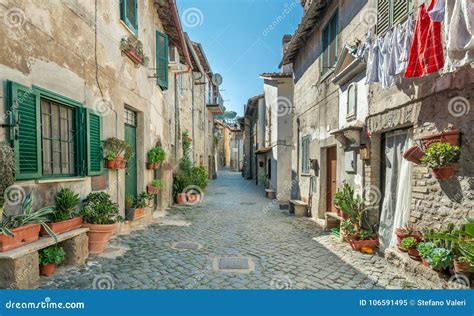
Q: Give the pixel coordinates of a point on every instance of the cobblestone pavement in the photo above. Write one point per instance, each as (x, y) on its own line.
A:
(234, 220)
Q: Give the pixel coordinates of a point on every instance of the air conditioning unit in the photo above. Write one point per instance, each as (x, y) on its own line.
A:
(173, 55)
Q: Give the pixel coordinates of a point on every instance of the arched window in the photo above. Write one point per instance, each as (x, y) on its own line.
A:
(351, 100)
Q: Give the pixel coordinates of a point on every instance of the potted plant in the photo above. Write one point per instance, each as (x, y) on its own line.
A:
(424, 250)
(116, 150)
(343, 198)
(65, 216)
(439, 259)
(441, 157)
(414, 154)
(49, 258)
(364, 239)
(408, 230)
(21, 229)
(346, 230)
(200, 177)
(137, 210)
(132, 47)
(448, 136)
(101, 216)
(156, 156)
(155, 186)
(129, 206)
(461, 264)
(410, 243)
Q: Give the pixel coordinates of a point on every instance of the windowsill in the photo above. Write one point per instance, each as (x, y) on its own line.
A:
(350, 117)
(55, 180)
(132, 32)
(326, 75)
(306, 175)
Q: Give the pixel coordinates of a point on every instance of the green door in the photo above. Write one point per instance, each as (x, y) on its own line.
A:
(131, 171)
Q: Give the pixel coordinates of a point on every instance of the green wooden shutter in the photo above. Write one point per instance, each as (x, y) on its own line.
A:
(162, 60)
(383, 15)
(24, 109)
(334, 29)
(325, 51)
(129, 14)
(93, 143)
(400, 11)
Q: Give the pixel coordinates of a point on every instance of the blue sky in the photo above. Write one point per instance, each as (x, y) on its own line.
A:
(238, 40)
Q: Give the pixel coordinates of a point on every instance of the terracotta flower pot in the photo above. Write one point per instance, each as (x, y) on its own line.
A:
(181, 198)
(99, 236)
(414, 254)
(400, 236)
(132, 54)
(450, 137)
(443, 173)
(193, 198)
(157, 165)
(133, 214)
(152, 190)
(425, 262)
(414, 154)
(358, 244)
(23, 235)
(47, 270)
(64, 226)
(461, 267)
(150, 165)
(110, 164)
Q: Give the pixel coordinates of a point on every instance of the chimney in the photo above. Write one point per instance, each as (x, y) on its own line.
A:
(285, 41)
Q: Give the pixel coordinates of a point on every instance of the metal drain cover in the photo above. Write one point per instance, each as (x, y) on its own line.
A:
(233, 264)
(186, 246)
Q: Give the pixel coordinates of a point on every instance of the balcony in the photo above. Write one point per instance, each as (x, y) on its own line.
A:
(215, 104)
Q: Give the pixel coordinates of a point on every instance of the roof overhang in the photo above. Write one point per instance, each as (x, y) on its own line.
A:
(263, 150)
(169, 17)
(311, 18)
(215, 109)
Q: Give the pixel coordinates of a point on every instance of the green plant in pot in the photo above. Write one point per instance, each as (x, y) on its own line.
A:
(101, 215)
(137, 210)
(65, 216)
(409, 230)
(155, 156)
(410, 244)
(155, 187)
(346, 229)
(441, 157)
(23, 228)
(115, 152)
(200, 177)
(50, 258)
(439, 258)
(343, 198)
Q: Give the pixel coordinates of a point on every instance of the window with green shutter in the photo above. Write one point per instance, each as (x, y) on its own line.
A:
(129, 14)
(94, 143)
(390, 13)
(329, 44)
(305, 154)
(49, 134)
(162, 60)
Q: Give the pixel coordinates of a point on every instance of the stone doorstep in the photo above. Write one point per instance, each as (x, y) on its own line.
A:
(233, 264)
(41, 243)
(414, 271)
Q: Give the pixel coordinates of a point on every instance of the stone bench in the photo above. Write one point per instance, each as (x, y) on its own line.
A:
(332, 220)
(270, 193)
(299, 208)
(19, 268)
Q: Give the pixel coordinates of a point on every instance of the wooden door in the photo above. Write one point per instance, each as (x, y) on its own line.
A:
(331, 186)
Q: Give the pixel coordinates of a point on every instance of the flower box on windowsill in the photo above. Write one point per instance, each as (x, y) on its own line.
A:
(450, 137)
(117, 163)
(132, 54)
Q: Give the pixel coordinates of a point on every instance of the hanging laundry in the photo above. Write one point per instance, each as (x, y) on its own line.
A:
(407, 39)
(437, 13)
(362, 52)
(397, 47)
(459, 24)
(426, 53)
(384, 62)
(373, 57)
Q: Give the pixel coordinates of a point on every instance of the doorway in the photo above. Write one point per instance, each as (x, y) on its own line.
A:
(331, 185)
(395, 188)
(131, 140)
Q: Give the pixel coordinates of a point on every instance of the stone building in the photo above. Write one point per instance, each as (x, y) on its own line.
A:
(64, 61)
(346, 130)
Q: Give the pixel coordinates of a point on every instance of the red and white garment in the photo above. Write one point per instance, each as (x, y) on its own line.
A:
(426, 54)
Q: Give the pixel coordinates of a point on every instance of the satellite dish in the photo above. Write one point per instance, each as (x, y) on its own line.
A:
(217, 79)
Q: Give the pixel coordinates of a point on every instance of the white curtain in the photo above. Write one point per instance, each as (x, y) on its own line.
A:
(397, 193)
